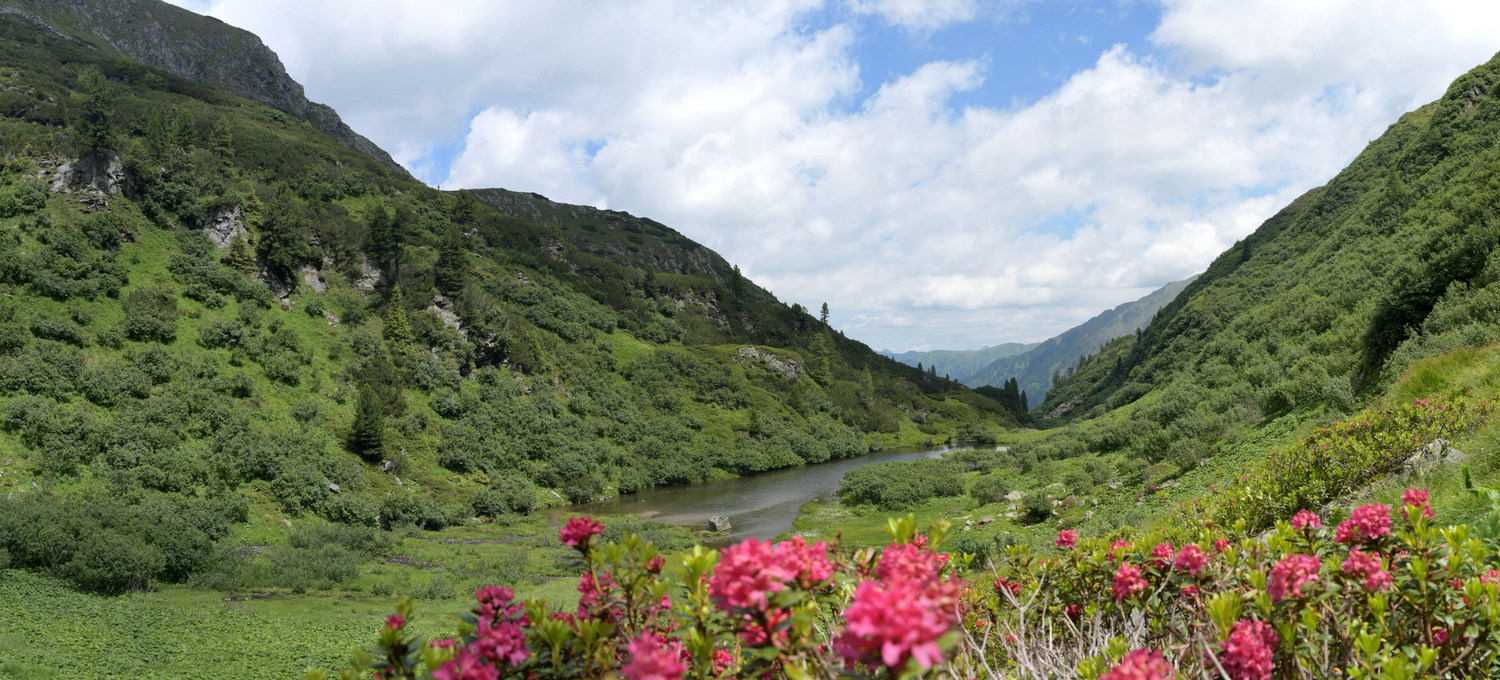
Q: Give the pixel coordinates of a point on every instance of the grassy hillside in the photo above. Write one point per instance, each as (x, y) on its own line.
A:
(1039, 367)
(1392, 269)
(960, 364)
(214, 316)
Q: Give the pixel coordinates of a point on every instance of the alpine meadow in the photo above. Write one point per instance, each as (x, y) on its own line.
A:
(273, 407)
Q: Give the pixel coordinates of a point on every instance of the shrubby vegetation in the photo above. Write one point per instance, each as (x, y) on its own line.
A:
(899, 485)
(449, 362)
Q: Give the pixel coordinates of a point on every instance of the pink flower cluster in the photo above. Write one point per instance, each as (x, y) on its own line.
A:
(499, 639)
(1306, 520)
(1247, 654)
(651, 658)
(579, 530)
(900, 617)
(751, 571)
(1367, 566)
(1128, 582)
(1190, 559)
(1067, 538)
(1416, 498)
(1290, 574)
(1366, 523)
(1141, 665)
(1161, 555)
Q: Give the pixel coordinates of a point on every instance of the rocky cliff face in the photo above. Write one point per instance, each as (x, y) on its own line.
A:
(192, 46)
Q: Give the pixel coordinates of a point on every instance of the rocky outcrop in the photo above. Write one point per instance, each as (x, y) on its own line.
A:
(224, 226)
(719, 523)
(196, 47)
(786, 368)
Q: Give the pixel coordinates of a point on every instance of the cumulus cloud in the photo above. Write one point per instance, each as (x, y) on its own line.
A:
(921, 222)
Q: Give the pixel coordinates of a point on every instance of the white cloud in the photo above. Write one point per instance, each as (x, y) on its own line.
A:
(919, 222)
(920, 15)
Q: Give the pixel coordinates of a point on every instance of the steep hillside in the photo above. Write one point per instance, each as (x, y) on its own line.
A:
(959, 364)
(214, 318)
(199, 48)
(1036, 369)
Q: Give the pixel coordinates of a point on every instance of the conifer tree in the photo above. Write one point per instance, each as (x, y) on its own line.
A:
(220, 139)
(385, 234)
(398, 335)
(737, 282)
(465, 207)
(453, 261)
(95, 125)
(823, 315)
(185, 130)
(367, 435)
(158, 136)
(284, 235)
(240, 256)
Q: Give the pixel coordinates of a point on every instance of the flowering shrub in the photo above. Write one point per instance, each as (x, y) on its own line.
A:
(1383, 594)
(757, 609)
(1332, 461)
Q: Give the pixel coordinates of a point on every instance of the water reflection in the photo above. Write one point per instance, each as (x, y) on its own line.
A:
(762, 505)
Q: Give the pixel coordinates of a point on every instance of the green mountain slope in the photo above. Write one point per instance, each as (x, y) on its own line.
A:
(199, 48)
(1036, 368)
(215, 317)
(959, 364)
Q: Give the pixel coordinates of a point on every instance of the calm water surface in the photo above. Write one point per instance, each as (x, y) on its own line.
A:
(762, 505)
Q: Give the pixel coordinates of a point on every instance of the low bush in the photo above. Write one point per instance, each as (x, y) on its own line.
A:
(903, 484)
(1328, 463)
(508, 495)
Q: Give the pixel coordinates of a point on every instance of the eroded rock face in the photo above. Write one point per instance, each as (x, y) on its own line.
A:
(369, 276)
(102, 173)
(225, 226)
(788, 368)
(444, 310)
(311, 280)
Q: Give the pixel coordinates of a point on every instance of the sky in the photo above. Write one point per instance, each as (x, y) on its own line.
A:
(945, 174)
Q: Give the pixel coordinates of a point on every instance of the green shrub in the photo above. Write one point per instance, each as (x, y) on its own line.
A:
(509, 495)
(412, 509)
(900, 485)
(990, 488)
(151, 315)
(349, 508)
(365, 540)
(58, 328)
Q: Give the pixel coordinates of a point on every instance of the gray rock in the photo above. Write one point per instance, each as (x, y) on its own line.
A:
(334, 488)
(225, 226)
(369, 275)
(719, 523)
(310, 277)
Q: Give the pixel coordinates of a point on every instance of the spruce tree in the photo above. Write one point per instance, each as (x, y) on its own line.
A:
(453, 261)
(284, 235)
(737, 282)
(158, 136)
(240, 256)
(185, 130)
(220, 139)
(368, 432)
(94, 127)
(823, 315)
(465, 207)
(398, 335)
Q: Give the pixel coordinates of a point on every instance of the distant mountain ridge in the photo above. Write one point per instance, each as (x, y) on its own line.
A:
(1034, 369)
(199, 48)
(959, 363)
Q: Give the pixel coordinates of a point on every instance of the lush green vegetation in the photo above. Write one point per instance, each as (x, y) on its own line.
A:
(250, 320)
